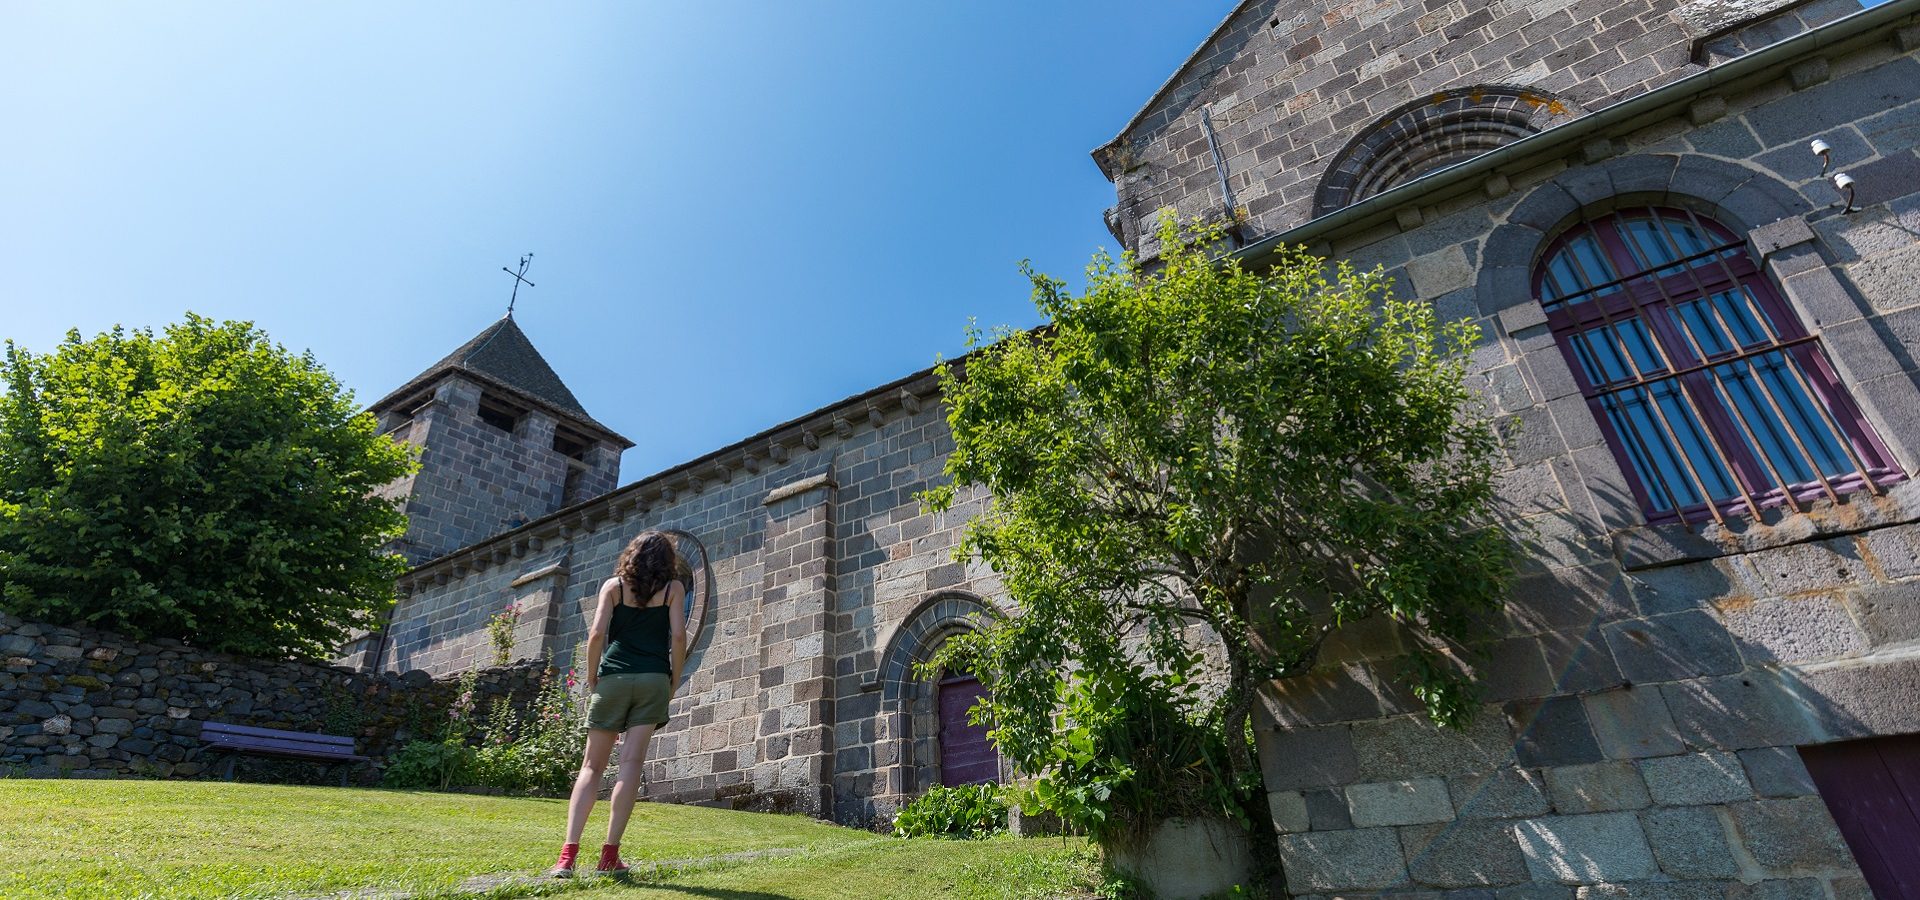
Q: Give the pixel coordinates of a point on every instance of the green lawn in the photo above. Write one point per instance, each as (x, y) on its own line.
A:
(178, 839)
(1004, 867)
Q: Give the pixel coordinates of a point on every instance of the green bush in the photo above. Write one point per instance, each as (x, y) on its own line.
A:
(538, 753)
(967, 811)
(202, 483)
(1123, 755)
(432, 765)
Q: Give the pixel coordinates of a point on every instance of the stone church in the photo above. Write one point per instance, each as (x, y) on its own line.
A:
(1690, 232)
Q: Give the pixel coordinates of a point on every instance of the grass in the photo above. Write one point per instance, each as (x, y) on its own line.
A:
(183, 839)
(1004, 868)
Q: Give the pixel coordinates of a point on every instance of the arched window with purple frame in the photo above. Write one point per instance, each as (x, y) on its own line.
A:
(1713, 396)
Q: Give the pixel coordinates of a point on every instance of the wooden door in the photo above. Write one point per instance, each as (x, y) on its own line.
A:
(966, 757)
(1872, 787)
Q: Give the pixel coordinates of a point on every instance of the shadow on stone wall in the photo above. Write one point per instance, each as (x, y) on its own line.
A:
(1639, 726)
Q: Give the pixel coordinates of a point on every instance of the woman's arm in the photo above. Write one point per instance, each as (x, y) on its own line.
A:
(597, 632)
(677, 624)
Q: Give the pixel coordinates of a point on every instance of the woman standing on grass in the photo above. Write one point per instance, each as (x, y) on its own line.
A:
(636, 650)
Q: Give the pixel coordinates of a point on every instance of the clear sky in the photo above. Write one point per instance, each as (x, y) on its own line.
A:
(739, 212)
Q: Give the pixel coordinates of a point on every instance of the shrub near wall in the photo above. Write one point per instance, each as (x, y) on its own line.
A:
(90, 703)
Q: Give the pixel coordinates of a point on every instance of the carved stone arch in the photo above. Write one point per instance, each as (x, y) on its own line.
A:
(697, 570)
(922, 632)
(1432, 133)
(910, 756)
(1741, 198)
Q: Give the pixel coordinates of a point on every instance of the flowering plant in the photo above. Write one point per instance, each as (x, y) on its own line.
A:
(500, 630)
(538, 751)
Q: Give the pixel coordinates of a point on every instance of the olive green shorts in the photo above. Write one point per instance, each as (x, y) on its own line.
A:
(620, 702)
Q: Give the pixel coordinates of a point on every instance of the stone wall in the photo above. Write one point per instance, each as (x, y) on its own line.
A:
(813, 563)
(476, 480)
(1647, 700)
(1288, 85)
(77, 702)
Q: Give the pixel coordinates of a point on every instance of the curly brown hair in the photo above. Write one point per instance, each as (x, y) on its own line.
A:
(646, 565)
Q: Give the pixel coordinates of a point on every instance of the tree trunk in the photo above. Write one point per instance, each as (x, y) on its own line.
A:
(1264, 842)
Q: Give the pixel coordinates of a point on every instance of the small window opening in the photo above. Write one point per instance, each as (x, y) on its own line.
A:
(571, 444)
(499, 413)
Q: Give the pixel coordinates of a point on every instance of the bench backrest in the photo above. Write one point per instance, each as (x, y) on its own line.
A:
(248, 736)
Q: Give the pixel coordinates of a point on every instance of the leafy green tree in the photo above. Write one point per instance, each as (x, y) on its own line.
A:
(1205, 456)
(202, 483)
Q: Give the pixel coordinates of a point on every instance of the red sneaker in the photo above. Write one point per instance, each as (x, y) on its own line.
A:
(610, 863)
(564, 868)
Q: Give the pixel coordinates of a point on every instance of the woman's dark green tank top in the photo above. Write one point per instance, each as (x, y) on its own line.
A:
(638, 640)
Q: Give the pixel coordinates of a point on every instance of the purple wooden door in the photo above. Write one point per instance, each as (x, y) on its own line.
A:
(965, 755)
(1872, 787)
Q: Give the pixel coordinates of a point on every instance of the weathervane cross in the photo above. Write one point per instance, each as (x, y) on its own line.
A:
(519, 278)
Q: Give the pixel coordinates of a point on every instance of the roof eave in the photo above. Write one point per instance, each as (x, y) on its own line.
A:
(1099, 153)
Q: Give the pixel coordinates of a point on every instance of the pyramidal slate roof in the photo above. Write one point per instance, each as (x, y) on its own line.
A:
(502, 356)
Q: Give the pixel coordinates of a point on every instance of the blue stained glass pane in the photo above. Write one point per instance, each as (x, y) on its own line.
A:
(1662, 436)
(1648, 247)
(1658, 239)
(1699, 322)
(1650, 453)
(1585, 257)
(1748, 383)
(1694, 440)
(1639, 343)
(1708, 329)
(1617, 352)
(1600, 356)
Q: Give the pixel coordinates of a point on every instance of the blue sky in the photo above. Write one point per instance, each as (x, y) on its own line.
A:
(738, 213)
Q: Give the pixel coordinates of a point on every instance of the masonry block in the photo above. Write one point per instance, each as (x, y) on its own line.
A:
(1298, 758)
(1409, 747)
(1696, 778)
(1689, 842)
(1773, 712)
(1670, 589)
(1777, 772)
(1794, 629)
(1596, 787)
(1673, 646)
(1791, 836)
(1605, 847)
(1289, 811)
(1463, 855)
(1399, 802)
(1507, 793)
(1552, 732)
(1360, 859)
(1630, 723)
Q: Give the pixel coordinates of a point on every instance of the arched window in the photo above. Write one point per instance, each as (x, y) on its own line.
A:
(1432, 133)
(1713, 396)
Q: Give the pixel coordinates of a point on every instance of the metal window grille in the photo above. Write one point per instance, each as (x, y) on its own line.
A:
(1713, 396)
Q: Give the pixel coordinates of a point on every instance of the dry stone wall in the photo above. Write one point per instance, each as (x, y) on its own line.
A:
(84, 703)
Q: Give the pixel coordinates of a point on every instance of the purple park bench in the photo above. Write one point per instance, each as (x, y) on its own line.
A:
(234, 740)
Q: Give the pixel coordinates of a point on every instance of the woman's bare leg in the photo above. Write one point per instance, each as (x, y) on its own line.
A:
(626, 784)
(586, 787)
